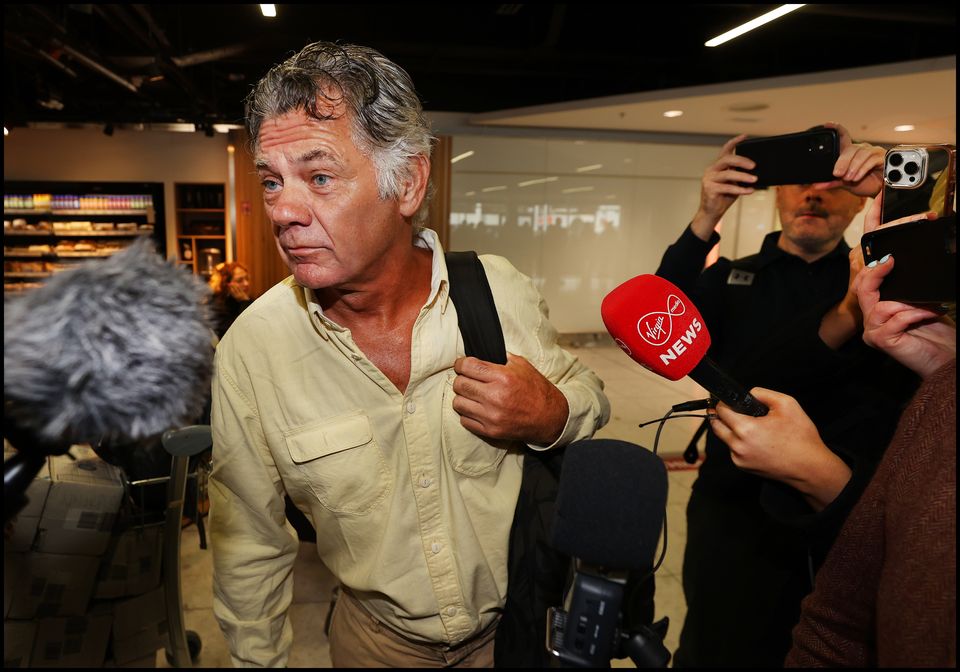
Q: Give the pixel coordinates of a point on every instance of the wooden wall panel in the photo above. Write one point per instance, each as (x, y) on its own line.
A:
(256, 248)
(439, 216)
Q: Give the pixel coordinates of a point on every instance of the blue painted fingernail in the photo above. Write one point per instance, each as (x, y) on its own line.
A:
(872, 264)
(884, 259)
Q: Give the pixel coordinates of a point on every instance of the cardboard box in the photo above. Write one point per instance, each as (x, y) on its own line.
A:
(139, 626)
(18, 639)
(26, 521)
(78, 641)
(81, 506)
(132, 563)
(45, 584)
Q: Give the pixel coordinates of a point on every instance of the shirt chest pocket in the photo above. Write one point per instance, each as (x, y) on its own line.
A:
(342, 462)
(468, 453)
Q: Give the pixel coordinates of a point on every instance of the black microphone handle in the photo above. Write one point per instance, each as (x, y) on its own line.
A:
(718, 382)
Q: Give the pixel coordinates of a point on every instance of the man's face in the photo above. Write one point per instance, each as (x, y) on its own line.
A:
(320, 193)
(814, 220)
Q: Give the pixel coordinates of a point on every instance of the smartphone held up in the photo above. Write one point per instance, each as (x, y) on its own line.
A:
(918, 179)
(807, 157)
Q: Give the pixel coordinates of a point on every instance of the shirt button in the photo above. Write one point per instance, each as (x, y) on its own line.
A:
(451, 611)
(435, 547)
(356, 357)
(411, 407)
(425, 482)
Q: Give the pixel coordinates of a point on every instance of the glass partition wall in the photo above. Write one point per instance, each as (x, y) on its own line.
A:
(582, 216)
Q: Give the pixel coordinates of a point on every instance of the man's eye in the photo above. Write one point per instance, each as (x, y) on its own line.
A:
(320, 180)
(270, 185)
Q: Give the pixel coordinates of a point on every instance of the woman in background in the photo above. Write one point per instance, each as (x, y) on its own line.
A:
(230, 283)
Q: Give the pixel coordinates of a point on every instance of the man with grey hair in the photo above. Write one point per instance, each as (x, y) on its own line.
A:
(345, 387)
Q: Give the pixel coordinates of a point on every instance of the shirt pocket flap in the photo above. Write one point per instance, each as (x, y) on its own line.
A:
(328, 438)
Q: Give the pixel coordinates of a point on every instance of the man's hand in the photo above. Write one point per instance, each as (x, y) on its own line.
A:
(513, 401)
(721, 186)
(783, 445)
(859, 168)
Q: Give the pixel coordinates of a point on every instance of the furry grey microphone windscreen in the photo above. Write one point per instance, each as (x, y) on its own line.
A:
(610, 504)
(115, 349)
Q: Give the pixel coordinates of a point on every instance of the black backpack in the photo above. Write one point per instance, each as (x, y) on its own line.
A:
(537, 573)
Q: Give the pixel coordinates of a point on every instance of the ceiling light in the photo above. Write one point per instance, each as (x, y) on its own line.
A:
(747, 107)
(574, 190)
(461, 157)
(5, 131)
(540, 180)
(269, 11)
(904, 127)
(587, 169)
(226, 128)
(670, 114)
(500, 188)
(470, 193)
(750, 25)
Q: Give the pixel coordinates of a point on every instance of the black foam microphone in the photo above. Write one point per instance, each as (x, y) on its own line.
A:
(610, 510)
(115, 350)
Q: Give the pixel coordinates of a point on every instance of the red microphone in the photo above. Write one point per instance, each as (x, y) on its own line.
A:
(658, 326)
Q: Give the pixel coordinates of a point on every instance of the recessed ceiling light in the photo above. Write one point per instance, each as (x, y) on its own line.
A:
(497, 188)
(269, 11)
(587, 169)
(904, 127)
(461, 157)
(670, 114)
(747, 107)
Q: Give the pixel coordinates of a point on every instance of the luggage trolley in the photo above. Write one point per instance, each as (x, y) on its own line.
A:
(182, 445)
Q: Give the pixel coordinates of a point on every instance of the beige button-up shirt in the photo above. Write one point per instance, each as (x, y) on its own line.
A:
(412, 511)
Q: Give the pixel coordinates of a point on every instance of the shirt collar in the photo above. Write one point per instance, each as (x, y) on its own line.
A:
(770, 251)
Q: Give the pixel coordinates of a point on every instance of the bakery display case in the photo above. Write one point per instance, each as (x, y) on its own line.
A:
(201, 226)
(50, 226)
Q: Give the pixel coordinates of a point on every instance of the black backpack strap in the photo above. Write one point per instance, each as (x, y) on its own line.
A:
(476, 310)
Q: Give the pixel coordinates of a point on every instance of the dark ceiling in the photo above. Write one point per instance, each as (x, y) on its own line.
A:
(102, 63)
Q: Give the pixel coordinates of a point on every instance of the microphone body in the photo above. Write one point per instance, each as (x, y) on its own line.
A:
(721, 385)
(611, 505)
(658, 326)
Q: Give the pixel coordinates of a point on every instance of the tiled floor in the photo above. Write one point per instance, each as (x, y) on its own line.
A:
(635, 396)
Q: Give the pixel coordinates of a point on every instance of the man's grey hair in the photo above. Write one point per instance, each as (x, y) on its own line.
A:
(385, 112)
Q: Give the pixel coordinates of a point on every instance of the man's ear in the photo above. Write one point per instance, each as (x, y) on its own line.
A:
(414, 187)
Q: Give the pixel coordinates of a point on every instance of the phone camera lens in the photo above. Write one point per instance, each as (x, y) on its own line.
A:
(895, 175)
(895, 159)
(911, 168)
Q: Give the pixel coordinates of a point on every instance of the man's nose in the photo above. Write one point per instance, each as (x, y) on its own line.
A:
(290, 209)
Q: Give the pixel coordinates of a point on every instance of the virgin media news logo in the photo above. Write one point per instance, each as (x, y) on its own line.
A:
(656, 327)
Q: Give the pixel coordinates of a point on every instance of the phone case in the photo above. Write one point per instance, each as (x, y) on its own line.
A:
(925, 259)
(917, 179)
(795, 158)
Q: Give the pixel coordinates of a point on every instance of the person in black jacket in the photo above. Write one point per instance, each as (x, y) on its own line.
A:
(785, 319)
